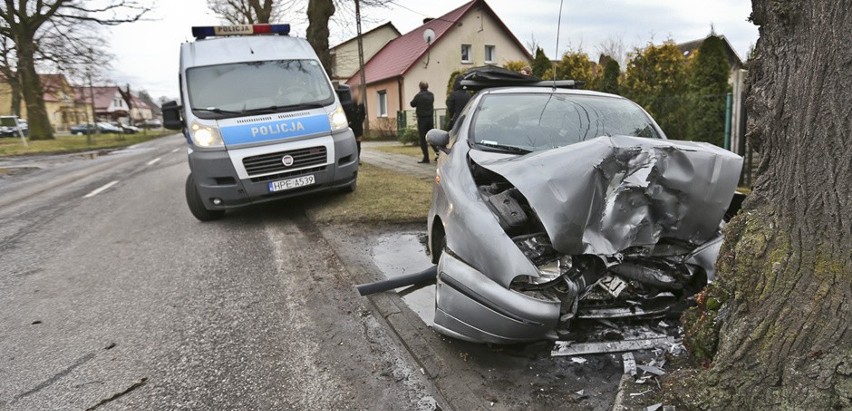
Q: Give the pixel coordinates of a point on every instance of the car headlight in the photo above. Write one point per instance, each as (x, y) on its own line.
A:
(205, 136)
(337, 118)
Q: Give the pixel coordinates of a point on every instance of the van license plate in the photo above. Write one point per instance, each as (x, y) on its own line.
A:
(291, 183)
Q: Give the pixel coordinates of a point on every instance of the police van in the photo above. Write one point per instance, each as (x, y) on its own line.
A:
(261, 119)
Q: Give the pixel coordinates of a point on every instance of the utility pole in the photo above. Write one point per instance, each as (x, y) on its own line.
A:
(362, 88)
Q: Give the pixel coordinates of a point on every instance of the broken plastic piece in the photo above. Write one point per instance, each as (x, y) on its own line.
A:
(629, 363)
(654, 407)
(578, 360)
(650, 369)
(566, 348)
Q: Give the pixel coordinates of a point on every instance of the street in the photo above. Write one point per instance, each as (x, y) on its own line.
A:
(114, 296)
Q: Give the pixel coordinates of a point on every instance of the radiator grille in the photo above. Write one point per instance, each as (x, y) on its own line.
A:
(272, 162)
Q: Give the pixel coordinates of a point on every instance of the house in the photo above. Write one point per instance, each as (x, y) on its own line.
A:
(469, 36)
(344, 56)
(63, 105)
(733, 58)
(112, 104)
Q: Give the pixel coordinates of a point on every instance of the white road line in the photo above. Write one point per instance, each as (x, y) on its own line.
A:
(100, 190)
(175, 150)
(154, 161)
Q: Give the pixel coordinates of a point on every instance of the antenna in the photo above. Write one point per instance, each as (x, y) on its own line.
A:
(558, 27)
(428, 37)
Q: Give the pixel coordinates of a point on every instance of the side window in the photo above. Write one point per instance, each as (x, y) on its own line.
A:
(383, 103)
(465, 53)
(490, 52)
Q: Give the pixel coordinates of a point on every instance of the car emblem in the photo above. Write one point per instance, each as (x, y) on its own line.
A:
(287, 160)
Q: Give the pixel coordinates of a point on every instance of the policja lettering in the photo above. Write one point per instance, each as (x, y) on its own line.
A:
(278, 128)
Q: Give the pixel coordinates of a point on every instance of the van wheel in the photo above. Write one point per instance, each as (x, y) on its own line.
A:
(196, 206)
(351, 187)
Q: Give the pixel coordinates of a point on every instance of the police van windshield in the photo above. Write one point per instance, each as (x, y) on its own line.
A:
(234, 89)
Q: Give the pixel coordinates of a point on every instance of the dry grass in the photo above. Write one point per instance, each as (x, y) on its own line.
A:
(382, 196)
(10, 146)
(413, 151)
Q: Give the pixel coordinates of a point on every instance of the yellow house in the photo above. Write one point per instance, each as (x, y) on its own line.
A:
(64, 107)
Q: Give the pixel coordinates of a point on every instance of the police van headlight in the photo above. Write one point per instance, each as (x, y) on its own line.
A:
(205, 136)
(338, 119)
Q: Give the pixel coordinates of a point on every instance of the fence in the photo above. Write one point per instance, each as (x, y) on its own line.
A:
(407, 119)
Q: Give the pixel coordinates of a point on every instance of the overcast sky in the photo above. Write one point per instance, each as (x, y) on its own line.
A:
(147, 52)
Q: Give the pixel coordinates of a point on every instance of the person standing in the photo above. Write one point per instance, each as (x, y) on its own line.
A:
(424, 104)
(456, 101)
(356, 122)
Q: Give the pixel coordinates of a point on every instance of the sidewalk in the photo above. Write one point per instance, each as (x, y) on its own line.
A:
(398, 162)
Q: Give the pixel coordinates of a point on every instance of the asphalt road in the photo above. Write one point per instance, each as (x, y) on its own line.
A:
(114, 297)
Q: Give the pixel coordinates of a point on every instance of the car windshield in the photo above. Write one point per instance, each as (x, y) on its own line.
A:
(228, 90)
(539, 121)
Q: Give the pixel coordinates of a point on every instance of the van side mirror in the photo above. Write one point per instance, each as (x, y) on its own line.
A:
(171, 116)
(438, 138)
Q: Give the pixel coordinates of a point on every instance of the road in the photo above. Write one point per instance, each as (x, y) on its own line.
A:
(114, 297)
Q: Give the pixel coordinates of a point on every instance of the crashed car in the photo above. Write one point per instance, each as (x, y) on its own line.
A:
(551, 205)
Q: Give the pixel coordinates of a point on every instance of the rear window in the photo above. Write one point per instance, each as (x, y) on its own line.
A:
(543, 121)
(236, 88)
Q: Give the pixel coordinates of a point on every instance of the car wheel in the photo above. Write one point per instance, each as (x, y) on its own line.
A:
(351, 187)
(196, 205)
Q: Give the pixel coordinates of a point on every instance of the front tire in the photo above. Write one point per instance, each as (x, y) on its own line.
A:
(196, 205)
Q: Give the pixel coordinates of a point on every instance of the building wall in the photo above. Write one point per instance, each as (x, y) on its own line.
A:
(478, 29)
(382, 124)
(345, 56)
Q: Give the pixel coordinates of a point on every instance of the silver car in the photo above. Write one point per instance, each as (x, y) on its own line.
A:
(551, 205)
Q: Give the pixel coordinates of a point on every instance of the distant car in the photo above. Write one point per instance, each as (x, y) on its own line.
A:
(103, 128)
(128, 129)
(8, 128)
(150, 123)
(551, 205)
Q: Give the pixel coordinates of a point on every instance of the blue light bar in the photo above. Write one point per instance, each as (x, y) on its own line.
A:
(200, 32)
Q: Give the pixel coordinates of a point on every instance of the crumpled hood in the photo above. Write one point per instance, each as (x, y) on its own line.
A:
(608, 194)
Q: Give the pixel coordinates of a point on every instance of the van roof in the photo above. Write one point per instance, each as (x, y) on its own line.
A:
(223, 50)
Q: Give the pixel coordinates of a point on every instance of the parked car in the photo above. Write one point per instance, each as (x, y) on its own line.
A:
(553, 204)
(10, 126)
(102, 127)
(128, 129)
(150, 123)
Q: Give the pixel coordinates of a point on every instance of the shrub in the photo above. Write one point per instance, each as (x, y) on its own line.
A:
(409, 136)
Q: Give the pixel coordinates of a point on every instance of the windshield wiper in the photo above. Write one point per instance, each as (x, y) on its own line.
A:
(216, 110)
(504, 147)
(275, 109)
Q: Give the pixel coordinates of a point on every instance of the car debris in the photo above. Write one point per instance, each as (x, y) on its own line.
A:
(650, 369)
(578, 360)
(629, 363)
(567, 348)
(654, 407)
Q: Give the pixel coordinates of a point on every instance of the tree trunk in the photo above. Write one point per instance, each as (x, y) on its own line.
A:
(39, 123)
(319, 13)
(785, 273)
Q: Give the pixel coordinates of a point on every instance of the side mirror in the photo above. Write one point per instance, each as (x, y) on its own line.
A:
(438, 138)
(171, 116)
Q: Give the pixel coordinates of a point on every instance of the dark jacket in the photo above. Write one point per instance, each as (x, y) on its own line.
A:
(424, 103)
(356, 119)
(455, 103)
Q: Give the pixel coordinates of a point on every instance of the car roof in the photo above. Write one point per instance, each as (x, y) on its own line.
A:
(547, 90)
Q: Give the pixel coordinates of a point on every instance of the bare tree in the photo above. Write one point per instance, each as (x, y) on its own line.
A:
(249, 11)
(614, 47)
(31, 26)
(778, 320)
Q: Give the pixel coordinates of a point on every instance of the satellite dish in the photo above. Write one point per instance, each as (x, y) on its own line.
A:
(428, 36)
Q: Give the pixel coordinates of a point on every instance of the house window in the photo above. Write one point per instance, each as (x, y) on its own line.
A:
(489, 54)
(383, 103)
(465, 53)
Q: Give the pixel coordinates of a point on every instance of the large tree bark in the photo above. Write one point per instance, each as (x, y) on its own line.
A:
(782, 303)
(31, 89)
(319, 13)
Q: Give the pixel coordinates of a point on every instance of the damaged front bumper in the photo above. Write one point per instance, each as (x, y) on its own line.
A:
(472, 307)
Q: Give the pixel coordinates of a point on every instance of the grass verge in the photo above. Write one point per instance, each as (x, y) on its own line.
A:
(413, 151)
(382, 196)
(10, 146)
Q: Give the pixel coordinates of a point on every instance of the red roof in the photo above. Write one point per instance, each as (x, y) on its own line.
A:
(401, 53)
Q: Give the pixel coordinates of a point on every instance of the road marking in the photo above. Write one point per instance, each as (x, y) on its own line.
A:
(154, 161)
(100, 190)
(175, 150)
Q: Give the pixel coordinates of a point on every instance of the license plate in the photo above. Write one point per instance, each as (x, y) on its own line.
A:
(291, 183)
(612, 285)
